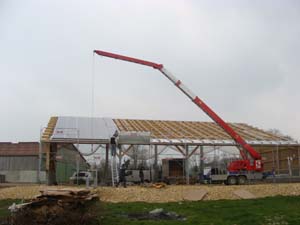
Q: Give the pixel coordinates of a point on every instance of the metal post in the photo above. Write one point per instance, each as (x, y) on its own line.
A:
(155, 164)
(52, 164)
(40, 158)
(273, 166)
(77, 169)
(273, 160)
(299, 159)
(215, 161)
(106, 162)
(120, 155)
(201, 164)
(187, 171)
(87, 182)
(96, 177)
(77, 157)
(277, 156)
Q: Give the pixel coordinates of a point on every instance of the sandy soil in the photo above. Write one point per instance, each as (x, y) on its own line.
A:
(171, 193)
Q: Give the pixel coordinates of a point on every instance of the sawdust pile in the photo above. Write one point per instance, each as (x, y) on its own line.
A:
(176, 193)
(172, 193)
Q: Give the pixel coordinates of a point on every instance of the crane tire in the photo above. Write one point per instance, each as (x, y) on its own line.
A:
(232, 180)
(242, 180)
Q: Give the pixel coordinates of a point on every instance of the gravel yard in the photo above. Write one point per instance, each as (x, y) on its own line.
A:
(172, 193)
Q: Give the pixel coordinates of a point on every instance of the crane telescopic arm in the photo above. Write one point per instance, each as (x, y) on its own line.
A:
(236, 137)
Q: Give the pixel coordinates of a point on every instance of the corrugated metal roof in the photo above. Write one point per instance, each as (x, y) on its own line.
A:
(83, 128)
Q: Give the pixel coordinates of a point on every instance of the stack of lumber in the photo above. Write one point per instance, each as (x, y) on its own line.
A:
(61, 197)
(67, 195)
(55, 207)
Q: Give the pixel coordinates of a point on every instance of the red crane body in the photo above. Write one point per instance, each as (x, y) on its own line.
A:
(246, 164)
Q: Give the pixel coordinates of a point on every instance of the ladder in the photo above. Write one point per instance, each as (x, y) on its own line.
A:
(114, 171)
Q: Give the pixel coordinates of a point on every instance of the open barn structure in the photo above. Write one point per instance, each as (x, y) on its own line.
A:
(280, 154)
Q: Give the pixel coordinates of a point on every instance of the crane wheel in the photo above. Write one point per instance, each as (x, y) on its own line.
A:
(242, 180)
(231, 180)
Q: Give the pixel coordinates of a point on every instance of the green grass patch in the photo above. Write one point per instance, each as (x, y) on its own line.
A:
(4, 204)
(272, 210)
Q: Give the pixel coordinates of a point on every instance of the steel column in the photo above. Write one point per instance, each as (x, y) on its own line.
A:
(187, 171)
(277, 156)
(201, 163)
(106, 162)
(155, 163)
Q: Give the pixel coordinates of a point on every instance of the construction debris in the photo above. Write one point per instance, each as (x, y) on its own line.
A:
(244, 194)
(158, 185)
(194, 195)
(55, 206)
(157, 214)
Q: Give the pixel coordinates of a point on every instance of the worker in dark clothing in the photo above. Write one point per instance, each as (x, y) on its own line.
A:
(113, 146)
(122, 176)
(141, 173)
(113, 143)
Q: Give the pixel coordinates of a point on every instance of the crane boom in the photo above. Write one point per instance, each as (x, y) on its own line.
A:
(248, 149)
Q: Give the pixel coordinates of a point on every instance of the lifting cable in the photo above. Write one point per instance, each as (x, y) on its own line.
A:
(92, 102)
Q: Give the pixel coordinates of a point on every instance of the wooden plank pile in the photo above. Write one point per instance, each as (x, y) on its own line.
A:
(56, 207)
(61, 197)
(68, 194)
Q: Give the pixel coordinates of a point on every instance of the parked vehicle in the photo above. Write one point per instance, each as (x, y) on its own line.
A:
(82, 177)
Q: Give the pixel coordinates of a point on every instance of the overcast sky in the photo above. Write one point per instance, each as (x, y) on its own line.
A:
(240, 57)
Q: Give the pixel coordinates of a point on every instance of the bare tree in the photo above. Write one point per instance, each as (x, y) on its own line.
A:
(280, 134)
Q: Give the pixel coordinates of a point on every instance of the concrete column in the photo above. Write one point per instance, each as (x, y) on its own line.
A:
(187, 171)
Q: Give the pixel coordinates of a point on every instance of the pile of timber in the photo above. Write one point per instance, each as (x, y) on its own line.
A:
(60, 197)
(56, 207)
(67, 195)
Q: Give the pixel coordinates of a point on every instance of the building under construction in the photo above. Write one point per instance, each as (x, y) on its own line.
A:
(280, 154)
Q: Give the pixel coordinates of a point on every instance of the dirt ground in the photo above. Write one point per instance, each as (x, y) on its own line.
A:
(172, 193)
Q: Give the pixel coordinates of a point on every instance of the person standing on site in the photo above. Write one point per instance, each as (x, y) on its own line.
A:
(113, 143)
(122, 176)
(141, 174)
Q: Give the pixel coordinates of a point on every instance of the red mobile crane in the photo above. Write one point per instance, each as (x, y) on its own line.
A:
(250, 166)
